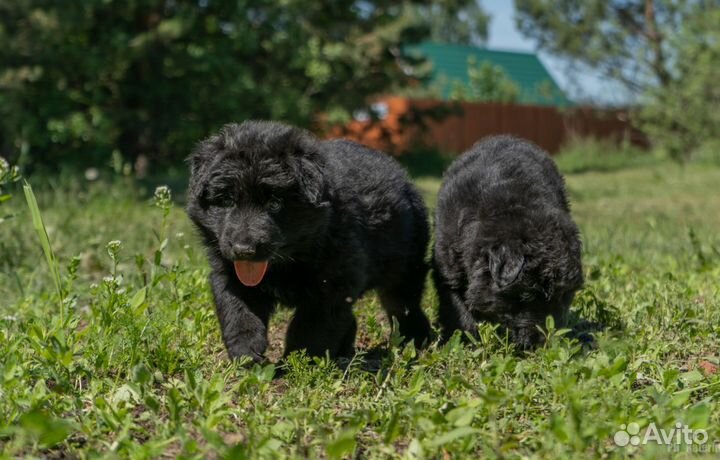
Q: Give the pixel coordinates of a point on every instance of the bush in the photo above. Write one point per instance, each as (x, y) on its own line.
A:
(486, 83)
(589, 154)
(426, 162)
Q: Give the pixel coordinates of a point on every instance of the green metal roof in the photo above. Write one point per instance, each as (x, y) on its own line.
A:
(450, 65)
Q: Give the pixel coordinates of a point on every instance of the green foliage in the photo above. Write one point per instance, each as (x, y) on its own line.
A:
(454, 21)
(137, 369)
(8, 175)
(80, 81)
(487, 83)
(431, 90)
(426, 162)
(680, 117)
(624, 39)
(546, 92)
(45, 244)
(581, 155)
(666, 52)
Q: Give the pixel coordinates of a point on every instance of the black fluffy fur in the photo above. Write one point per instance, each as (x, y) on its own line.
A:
(506, 248)
(333, 218)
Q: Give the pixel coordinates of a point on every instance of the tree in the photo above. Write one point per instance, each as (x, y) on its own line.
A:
(681, 117)
(455, 21)
(666, 51)
(487, 83)
(625, 39)
(81, 80)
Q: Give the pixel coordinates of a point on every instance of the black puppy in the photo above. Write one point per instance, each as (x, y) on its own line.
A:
(506, 249)
(287, 218)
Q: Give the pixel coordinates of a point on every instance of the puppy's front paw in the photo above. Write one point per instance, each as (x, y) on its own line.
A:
(251, 345)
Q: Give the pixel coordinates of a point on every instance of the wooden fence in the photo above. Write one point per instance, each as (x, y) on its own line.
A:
(453, 127)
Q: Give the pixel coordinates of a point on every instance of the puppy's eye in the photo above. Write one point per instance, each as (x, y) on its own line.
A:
(225, 202)
(274, 204)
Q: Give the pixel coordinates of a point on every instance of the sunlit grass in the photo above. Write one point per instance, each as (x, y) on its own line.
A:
(137, 368)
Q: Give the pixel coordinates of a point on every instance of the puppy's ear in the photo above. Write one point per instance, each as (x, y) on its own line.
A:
(312, 181)
(195, 162)
(308, 167)
(199, 163)
(198, 156)
(505, 265)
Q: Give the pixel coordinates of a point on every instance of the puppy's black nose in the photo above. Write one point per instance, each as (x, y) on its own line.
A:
(242, 251)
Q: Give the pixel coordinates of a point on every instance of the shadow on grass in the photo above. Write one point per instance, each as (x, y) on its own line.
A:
(583, 330)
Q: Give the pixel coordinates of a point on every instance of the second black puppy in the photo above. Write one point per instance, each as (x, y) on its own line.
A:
(310, 224)
(506, 250)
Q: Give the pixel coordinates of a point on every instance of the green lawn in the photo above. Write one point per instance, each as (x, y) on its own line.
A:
(132, 365)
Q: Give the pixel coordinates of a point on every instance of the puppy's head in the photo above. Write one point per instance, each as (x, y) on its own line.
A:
(524, 268)
(258, 194)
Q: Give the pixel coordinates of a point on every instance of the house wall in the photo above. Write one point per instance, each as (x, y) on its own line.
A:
(408, 125)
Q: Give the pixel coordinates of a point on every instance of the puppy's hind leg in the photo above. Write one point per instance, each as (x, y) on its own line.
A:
(401, 301)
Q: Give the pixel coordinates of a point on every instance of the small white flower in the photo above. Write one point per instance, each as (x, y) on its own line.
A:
(113, 249)
(92, 174)
(163, 197)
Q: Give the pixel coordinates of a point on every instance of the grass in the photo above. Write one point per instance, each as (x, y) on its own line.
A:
(135, 368)
(586, 154)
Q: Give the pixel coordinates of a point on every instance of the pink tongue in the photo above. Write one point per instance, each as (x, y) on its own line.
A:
(250, 273)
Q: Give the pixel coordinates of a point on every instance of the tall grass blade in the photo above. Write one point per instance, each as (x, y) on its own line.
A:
(45, 243)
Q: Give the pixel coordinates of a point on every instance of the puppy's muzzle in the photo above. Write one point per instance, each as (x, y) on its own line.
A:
(242, 251)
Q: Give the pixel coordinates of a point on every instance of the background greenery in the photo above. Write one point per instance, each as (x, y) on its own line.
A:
(134, 366)
(666, 53)
(80, 81)
(107, 81)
